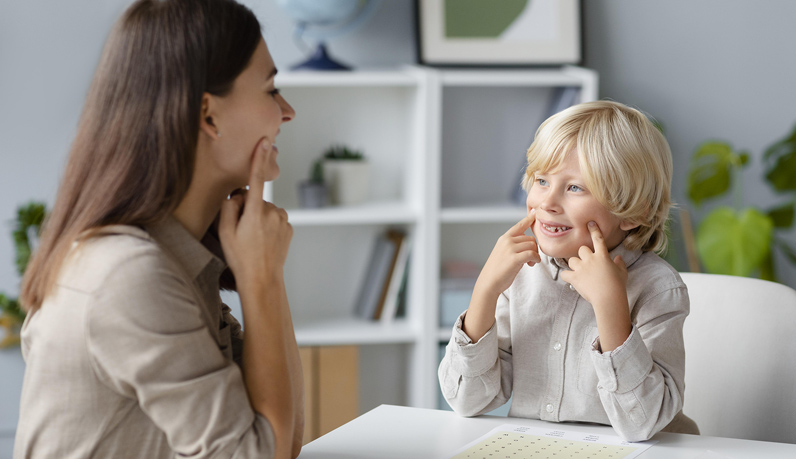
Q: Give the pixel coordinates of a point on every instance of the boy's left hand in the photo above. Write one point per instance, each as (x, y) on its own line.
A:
(598, 279)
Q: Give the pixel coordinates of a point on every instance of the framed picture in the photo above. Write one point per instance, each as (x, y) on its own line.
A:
(502, 32)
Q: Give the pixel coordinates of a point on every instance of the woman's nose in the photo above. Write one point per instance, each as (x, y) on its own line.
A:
(287, 110)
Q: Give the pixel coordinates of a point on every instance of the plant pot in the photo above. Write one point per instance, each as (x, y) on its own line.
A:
(313, 195)
(348, 180)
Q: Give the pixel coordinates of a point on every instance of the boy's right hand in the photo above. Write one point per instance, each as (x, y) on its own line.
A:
(255, 234)
(512, 250)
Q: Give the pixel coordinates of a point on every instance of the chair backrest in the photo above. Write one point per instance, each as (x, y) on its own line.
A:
(740, 342)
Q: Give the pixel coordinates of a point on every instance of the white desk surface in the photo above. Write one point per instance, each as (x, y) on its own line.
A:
(401, 432)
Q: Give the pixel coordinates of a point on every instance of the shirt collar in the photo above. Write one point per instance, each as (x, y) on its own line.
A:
(186, 250)
(554, 265)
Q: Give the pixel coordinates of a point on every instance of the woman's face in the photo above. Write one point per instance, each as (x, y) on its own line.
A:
(564, 208)
(251, 113)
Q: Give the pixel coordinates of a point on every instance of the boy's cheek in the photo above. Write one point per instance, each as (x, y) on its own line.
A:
(531, 202)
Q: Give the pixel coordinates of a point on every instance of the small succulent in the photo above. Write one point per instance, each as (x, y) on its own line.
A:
(337, 152)
(316, 172)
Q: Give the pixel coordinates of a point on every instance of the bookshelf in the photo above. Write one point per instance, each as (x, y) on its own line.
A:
(445, 148)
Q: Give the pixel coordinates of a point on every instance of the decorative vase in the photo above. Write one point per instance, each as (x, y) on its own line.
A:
(313, 195)
(348, 180)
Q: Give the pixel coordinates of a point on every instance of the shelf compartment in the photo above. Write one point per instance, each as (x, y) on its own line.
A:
(371, 213)
(354, 331)
(382, 121)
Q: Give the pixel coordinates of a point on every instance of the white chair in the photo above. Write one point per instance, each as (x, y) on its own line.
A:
(740, 342)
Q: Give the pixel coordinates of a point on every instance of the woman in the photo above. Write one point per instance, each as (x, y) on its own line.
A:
(129, 350)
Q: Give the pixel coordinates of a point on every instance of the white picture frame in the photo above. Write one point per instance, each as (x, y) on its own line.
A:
(536, 32)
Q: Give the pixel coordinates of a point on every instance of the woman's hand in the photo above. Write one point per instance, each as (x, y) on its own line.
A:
(603, 283)
(255, 234)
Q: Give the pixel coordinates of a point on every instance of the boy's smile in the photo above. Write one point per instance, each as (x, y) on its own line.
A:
(564, 208)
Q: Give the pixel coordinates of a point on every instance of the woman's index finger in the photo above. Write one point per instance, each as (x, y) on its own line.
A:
(257, 173)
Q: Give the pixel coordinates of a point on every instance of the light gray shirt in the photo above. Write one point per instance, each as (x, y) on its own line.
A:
(543, 352)
(133, 356)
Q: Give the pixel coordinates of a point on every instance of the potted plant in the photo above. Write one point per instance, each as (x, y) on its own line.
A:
(314, 193)
(347, 174)
(26, 232)
(740, 240)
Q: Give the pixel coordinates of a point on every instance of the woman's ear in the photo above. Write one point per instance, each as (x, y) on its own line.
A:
(625, 225)
(206, 121)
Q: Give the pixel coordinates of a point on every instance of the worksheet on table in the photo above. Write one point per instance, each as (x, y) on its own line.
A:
(513, 441)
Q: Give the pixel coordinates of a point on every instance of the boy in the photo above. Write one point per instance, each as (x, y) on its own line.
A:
(581, 321)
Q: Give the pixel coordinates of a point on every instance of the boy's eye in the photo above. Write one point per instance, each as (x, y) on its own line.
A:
(274, 92)
(542, 182)
(575, 188)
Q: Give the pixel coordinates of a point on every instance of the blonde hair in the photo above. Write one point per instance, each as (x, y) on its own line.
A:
(625, 161)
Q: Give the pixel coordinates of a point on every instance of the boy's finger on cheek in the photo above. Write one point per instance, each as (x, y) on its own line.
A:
(596, 235)
(521, 226)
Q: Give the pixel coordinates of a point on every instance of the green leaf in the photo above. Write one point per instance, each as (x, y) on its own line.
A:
(767, 270)
(782, 216)
(789, 252)
(780, 159)
(659, 126)
(710, 171)
(11, 308)
(28, 216)
(734, 243)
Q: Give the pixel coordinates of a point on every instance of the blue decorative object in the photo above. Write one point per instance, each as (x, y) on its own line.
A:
(324, 20)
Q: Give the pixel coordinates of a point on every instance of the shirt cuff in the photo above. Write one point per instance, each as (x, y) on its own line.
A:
(472, 359)
(624, 368)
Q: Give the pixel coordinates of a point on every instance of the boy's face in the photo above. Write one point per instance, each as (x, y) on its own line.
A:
(564, 208)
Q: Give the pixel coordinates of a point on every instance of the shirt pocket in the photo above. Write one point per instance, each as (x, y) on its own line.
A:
(587, 375)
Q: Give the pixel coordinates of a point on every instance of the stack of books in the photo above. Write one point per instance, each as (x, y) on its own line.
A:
(383, 293)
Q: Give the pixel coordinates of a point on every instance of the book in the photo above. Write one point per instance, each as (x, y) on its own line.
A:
(376, 276)
(402, 290)
(397, 238)
(397, 281)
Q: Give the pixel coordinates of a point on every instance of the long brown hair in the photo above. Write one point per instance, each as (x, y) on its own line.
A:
(133, 155)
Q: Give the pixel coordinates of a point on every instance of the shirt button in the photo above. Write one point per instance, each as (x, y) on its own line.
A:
(557, 346)
(549, 408)
(571, 287)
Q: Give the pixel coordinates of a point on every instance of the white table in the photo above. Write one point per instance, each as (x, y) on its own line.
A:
(400, 432)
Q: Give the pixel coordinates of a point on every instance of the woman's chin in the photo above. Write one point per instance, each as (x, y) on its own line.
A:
(272, 174)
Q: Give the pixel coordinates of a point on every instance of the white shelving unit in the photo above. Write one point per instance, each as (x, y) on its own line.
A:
(445, 147)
